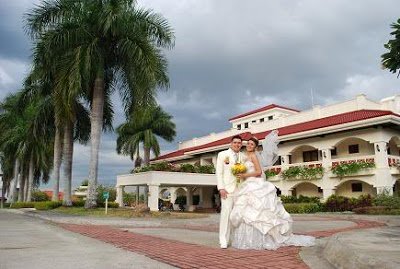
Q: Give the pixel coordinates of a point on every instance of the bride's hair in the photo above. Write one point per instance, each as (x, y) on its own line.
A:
(255, 140)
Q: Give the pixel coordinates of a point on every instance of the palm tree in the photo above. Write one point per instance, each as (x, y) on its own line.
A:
(391, 59)
(100, 42)
(143, 127)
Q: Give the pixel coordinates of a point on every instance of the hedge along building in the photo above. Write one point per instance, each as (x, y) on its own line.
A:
(348, 148)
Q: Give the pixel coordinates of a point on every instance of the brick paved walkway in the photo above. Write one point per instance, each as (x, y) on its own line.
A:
(185, 255)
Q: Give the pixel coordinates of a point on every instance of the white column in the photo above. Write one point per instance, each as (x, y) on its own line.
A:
(286, 192)
(284, 160)
(214, 160)
(172, 190)
(120, 195)
(137, 195)
(383, 177)
(189, 199)
(152, 201)
(327, 192)
(201, 196)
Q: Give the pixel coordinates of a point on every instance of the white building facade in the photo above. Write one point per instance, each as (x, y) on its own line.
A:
(356, 133)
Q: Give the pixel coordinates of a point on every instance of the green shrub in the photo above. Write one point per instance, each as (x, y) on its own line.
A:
(22, 205)
(270, 173)
(47, 205)
(39, 196)
(112, 205)
(101, 189)
(351, 168)
(129, 198)
(377, 210)
(302, 172)
(300, 199)
(187, 168)
(386, 200)
(301, 208)
(340, 203)
(78, 203)
(205, 169)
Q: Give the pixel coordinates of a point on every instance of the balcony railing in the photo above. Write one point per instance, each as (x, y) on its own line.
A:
(394, 164)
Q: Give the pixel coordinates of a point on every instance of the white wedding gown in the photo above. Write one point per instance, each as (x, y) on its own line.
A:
(258, 218)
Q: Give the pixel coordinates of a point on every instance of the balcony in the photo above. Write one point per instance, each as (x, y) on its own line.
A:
(394, 164)
(367, 161)
(306, 171)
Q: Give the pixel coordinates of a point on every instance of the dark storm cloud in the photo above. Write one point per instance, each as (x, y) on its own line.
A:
(232, 56)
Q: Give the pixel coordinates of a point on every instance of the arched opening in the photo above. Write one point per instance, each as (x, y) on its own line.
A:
(165, 195)
(304, 153)
(307, 189)
(396, 188)
(352, 146)
(355, 188)
(394, 146)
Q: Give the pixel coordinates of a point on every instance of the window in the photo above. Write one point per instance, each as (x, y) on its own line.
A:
(310, 156)
(239, 127)
(356, 187)
(388, 150)
(320, 190)
(270, 117)
(262, 120)
(254, 121)
(246, 125)
(334, 151)
(353, 149)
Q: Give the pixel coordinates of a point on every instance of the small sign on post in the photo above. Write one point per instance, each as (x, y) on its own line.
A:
(106, 195)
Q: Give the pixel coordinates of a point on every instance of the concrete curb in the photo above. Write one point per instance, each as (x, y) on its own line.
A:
(342, 255)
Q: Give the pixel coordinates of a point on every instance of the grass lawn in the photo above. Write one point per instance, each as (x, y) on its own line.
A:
(126, 213)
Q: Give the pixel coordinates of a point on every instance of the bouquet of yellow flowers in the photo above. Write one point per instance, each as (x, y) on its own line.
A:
(238, 168)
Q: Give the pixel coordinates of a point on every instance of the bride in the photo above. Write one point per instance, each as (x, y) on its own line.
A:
(258, 218)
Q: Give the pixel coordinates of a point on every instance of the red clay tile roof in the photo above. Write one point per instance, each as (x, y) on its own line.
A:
(291, 129)
(265, 108)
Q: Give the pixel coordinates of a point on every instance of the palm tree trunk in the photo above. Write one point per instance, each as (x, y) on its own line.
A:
(57, 163)
(26, 182)
(68, 155)
(21, 185)
(3, 192)
(14, 186)
(30, 180)
(146, 156)
(146, 161)
(96, 119)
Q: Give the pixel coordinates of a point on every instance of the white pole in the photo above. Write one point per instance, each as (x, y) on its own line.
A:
(106, 205)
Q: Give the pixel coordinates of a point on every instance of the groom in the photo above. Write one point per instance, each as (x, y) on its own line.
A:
(227, 185)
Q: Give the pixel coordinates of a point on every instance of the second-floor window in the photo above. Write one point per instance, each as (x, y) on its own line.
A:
(334, 151)
(254, 121)
(310, 156)
(246, 125)
(262, 120)
(270, 117)
(354, 149)
(239, 127)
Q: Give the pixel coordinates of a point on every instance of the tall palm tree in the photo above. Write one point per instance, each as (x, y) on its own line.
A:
(100, 42)
(143, 127)
(391, 59)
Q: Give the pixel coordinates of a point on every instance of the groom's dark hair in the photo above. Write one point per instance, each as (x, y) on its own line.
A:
(236, 137)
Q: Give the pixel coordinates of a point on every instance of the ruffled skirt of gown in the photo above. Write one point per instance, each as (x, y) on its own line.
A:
(259, 219)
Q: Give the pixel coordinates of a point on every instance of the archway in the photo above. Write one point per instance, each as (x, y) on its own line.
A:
(352, 146)
(304, 153)
(307, 189)
(355, 188)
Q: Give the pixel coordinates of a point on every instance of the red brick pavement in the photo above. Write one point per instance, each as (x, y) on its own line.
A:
(185, 255)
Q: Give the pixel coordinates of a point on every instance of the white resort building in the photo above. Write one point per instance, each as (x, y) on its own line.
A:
(349, 148)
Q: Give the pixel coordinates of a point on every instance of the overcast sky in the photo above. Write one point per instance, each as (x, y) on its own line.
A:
(232, 56)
